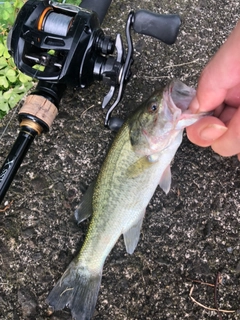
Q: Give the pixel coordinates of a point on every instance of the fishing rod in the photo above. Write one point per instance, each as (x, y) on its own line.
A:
(63, 45)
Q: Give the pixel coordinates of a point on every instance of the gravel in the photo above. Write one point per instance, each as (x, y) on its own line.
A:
(189, 235)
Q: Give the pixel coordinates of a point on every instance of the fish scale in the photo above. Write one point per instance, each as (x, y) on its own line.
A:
(138, 160)
(110, 192)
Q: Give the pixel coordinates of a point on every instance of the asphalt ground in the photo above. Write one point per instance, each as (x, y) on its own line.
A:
(188, 257)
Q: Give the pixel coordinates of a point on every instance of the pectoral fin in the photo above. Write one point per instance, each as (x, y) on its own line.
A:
(138, 167)
(131, 236)
(166, 178)
(84, 210)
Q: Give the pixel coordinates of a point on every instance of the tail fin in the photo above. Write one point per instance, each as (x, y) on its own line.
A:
(78, 290)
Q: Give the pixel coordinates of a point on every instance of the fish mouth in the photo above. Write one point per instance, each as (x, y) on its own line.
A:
(179, 96)
(171, 117)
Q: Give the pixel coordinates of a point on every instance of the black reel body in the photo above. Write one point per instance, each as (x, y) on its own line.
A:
(56, 42)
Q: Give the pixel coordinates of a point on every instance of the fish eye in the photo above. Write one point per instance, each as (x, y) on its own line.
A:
(152, 108)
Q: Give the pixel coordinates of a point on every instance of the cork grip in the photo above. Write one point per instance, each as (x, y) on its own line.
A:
(41, 108)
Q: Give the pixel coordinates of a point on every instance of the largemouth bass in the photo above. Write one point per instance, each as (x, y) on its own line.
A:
(138, 160)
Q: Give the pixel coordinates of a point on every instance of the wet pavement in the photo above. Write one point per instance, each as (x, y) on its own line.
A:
(189, 237)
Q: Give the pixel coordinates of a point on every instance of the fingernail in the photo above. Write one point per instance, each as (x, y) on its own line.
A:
(212, 132)
(194, 105)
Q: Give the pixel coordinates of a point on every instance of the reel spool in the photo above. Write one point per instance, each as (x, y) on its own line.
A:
(54, 23)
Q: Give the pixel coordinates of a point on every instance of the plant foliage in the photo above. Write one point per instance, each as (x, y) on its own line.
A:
(13, 83)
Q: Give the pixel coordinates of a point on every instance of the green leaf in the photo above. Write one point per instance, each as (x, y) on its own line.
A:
(2, 49)
(6, 54)
(24, 78)
(3, 71)
(18, 3)
(10, 89)
(14, 100)
(3, 82)
(11, 63)
(38, 67)
(19, 89)
(28, 85)
(4, 105)
(3, 62)
(7, 94)
(11, 75)
(7, 5)
(5, 15)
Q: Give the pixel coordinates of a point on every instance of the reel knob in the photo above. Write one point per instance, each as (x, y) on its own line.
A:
(164, 27)
(115, 123)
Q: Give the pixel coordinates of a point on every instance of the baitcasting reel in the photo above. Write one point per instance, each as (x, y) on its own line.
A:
(63, 45)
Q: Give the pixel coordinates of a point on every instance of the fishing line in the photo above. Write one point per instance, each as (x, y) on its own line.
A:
(54, 23)
(8, 123)
(62, 22)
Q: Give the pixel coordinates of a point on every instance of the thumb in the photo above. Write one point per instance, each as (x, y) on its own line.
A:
(205, 131)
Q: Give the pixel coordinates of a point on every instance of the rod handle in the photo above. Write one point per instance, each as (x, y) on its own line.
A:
(36, 116)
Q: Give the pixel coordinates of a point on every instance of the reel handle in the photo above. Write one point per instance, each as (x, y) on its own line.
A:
(164, 27)
(100, 7)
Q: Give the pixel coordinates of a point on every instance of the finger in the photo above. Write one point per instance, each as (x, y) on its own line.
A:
(209, 95)
(233, 96)
(219, 110)
(227, 114)
(221, 74)
(205, 131)
(229, 143)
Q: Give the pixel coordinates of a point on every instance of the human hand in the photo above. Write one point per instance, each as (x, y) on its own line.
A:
(219, 91)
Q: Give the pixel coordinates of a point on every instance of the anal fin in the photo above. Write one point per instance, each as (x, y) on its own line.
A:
(166, 179)
(84, 210)
(132, 235)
